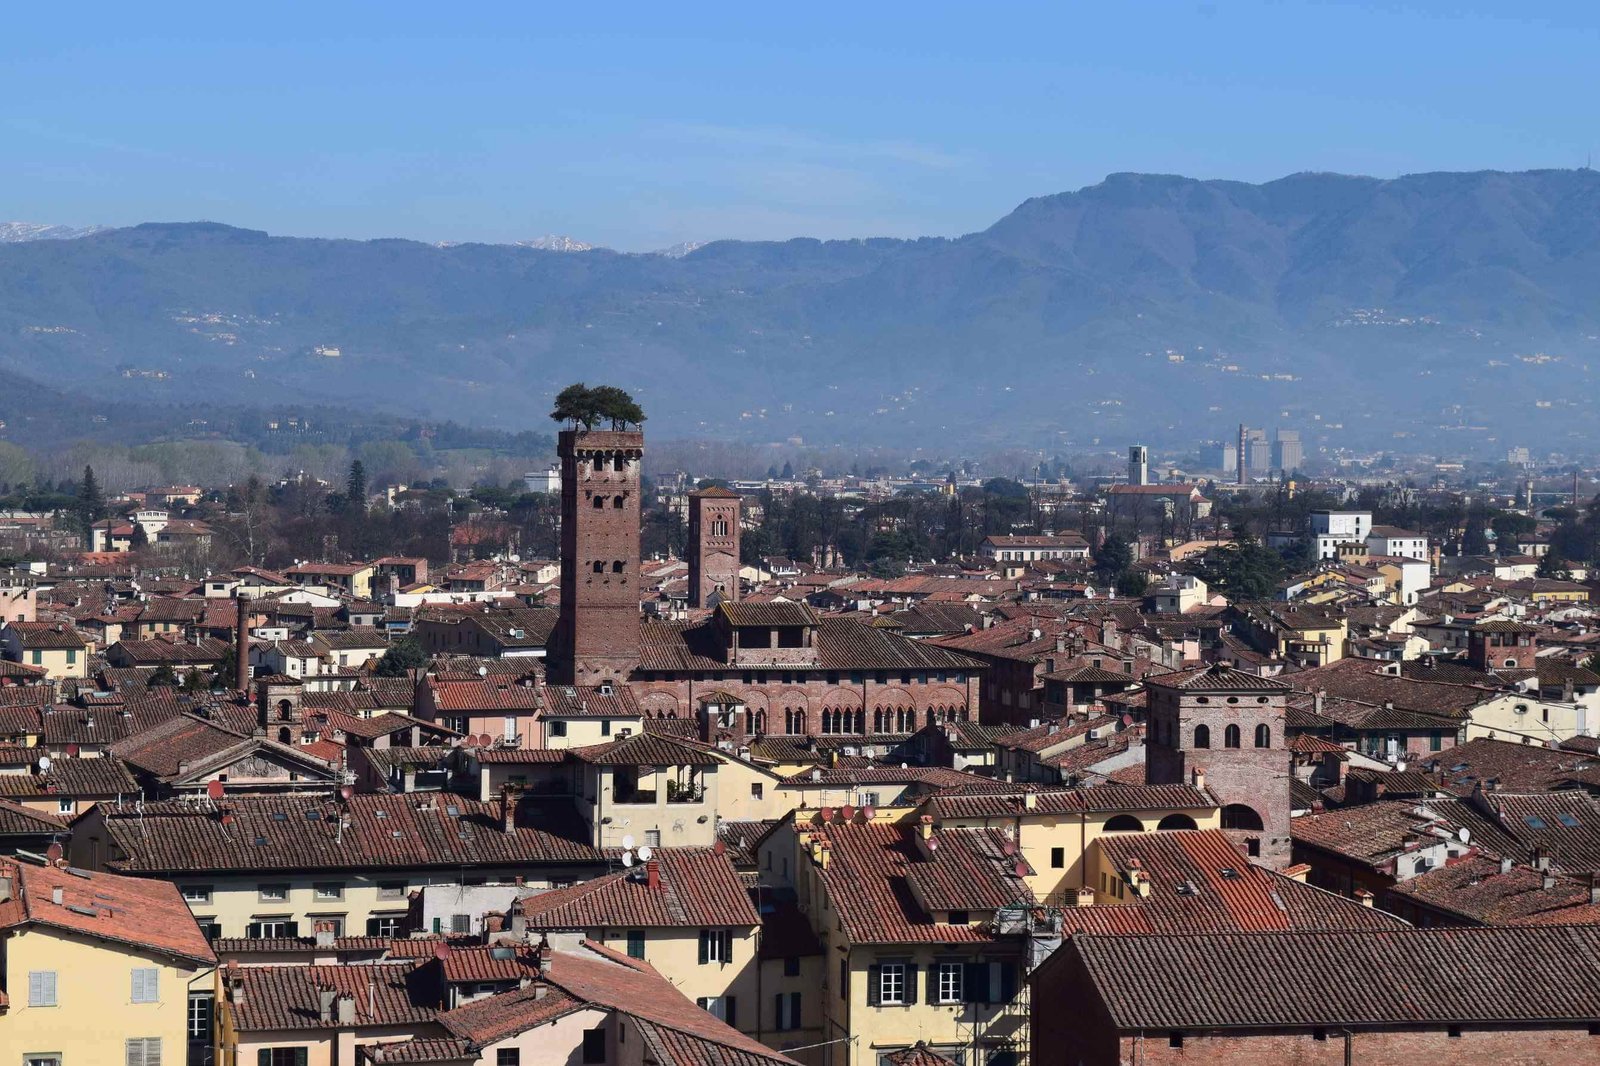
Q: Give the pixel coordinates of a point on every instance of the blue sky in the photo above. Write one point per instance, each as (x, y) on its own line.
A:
(638, 126)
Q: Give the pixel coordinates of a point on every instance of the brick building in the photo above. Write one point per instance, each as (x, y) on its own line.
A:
(1508, 995)
(749, 668)
(713, 547)
(1226, 727)
(597, 634)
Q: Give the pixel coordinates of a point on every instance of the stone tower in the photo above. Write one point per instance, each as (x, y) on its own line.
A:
(713, 547)
(1226, 727)
(597, 633)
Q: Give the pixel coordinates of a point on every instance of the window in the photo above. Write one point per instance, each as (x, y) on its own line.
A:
(391, 890)
(1263, 736)
(1436, 741)
(1058, 858)
(196, 893)
(594, 1040)
(1239, 816)
(605, 727)
(787, 1012)
(328, 890)
(41, 988)
(636, 943)
(461, 923)
(66, 806)
(599, 502)
(616, 566)
(652, 837)
(959, 918)
(721, 1007)
(892, 983)
(210, 927)
(281, 1056)
(558, 728)
(1174, 1039)
(200, 1007)
(616, 502)
(598, 566)
(274, 893)
(46, 1059)
(844, 979)
(716, 945)
(755, 790)
(272, 929)
(146, 984)
(510, 1056)
(1202, 736)
(389, 925)
(1230, 737)
(949, 988)
(144, 1051)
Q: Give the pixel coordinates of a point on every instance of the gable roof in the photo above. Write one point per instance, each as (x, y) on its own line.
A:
(698, 888)
(141, 913)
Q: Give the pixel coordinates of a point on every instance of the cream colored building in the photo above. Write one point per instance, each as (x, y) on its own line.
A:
(98, 969)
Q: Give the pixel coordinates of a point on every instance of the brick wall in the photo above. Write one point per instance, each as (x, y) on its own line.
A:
(713, 549)
(597, 635)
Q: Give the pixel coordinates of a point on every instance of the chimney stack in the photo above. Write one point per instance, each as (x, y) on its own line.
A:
(1198, 775)
(508, 809)
(1548, 881)
(345, 1006)
(1541, 859)
(1505, 864)
(544, 954)
(1364, 897)
(325, 1004)
(1594, 889)
(1085, 897)
(57, 895)
(241, 645)
(652, 873)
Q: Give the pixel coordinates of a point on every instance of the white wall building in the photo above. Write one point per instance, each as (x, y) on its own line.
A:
(1329, 529)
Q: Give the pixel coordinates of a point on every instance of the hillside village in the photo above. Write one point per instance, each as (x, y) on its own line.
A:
(708, 805)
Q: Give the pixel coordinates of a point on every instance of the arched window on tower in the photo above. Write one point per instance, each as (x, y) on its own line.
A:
(599, 502)
(1202, 736)
(616, 502)
(1230, 737)
(1263, 736)
(1240, 816)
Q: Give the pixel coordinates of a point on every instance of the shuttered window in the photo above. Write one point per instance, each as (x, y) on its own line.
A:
(41, 988)
(146, 985)
(144, 1051)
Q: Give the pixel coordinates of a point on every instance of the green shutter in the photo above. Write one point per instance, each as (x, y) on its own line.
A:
(874, 975)
(975, 982)
(730, 1012)
(264, 1057)
(705, 946)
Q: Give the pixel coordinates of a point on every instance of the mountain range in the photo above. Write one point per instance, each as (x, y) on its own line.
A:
(1450, 310)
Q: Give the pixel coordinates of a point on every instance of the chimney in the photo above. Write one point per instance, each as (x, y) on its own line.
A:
(1030, 800)
(1541, 859)
(1594, 889)
(1505, 864)
(1548, 881)
(1364, 897)
(57, 895)
(325, 1004)
(235, 982)
(925, 826)
(241, 645)
(7, 881)
(1085, 897)
(1316, 701)
(1198, 776)
(508, 809)
(345, 1005)
(544, 955)
(652, 874)
(324, 931)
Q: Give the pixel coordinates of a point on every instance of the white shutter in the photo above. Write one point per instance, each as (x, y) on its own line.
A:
(146, 985)
(41, 988)
(143, 1051)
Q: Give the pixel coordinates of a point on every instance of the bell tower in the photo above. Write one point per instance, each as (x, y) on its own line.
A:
(713, 547)
(597, 632)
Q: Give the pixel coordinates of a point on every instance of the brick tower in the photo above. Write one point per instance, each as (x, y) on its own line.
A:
(713, 547)
(597, 634)
(1503, 645)
(1228, 726)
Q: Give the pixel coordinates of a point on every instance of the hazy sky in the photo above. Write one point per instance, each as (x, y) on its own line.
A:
(638, 126)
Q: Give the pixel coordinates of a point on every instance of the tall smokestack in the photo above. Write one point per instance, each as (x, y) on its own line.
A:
(241, 644)
(1244, 454)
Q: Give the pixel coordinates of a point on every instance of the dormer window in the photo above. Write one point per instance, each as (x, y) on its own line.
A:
(605, 688)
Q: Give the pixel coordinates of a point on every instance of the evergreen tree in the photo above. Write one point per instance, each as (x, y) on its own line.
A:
(788, 471)
(91, 502)
(355, 492)
(1113, 557)
(404, 655)
(1133, 583)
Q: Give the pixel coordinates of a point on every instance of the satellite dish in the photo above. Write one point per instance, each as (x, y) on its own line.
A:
(1008, 848)
(44, 763)
(627, 858)
(1399, 767)
(1464, 834)
(645, 853)
(627, 841)
(847, 812)
(869, 813)
(483, 671)
(933, 843)
(214, 789)
(347, 792)
(1020, 869)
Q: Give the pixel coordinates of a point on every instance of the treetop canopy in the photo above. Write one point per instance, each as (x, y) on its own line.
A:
(582, 405)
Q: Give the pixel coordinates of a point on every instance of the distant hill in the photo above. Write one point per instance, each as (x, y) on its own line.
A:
(1163, 308)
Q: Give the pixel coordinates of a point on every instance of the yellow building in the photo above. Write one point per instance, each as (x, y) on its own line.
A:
(275, 866)
(1054, 829)
(57, 648)
(684, 911)
(99, 969)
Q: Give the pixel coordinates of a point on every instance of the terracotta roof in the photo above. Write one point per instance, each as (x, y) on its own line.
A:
(385, 832)
(868, 886)
(1302, 979)
(774, 613)
(969, 869)
(483, 695)
(1512, 767)
(1474, 888)
(288, 997)
(420, 1050)
(1218, 678)
(842, 644)
(509, 1013)
(643, 749)
(698, 888)
(1097, 799)
(19, 821)
(568, 701)
(146, 914)
(1199, 882)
